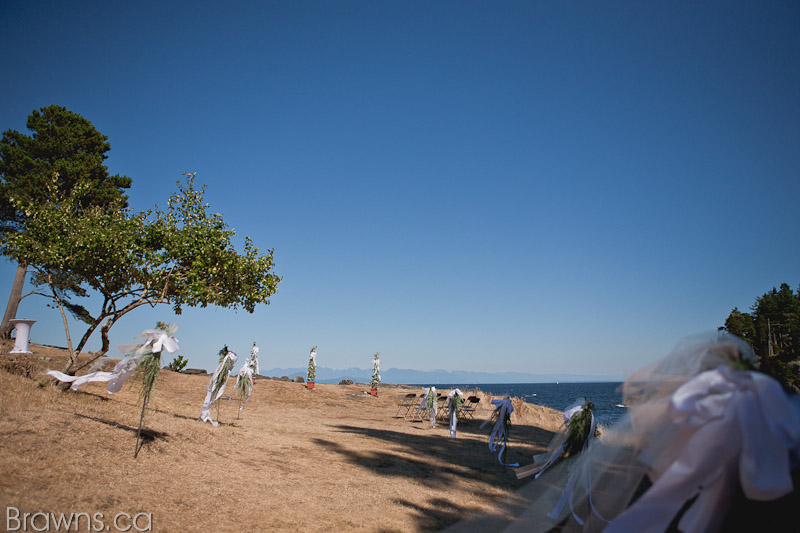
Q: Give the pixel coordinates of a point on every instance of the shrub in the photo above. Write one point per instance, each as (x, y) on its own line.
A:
(178, 364)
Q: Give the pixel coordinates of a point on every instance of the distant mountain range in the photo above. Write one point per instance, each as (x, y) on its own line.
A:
(443, 377)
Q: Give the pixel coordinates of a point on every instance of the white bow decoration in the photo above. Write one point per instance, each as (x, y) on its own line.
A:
(730, 426)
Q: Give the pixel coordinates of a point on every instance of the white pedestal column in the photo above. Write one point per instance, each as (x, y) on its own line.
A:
(23, 327)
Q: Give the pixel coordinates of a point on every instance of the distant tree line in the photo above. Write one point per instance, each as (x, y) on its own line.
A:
(772, 327)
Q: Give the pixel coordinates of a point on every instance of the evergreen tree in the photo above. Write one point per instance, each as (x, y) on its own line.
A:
(773, 330)
(63, 146)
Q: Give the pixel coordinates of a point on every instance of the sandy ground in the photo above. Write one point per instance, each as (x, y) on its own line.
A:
(333, 458)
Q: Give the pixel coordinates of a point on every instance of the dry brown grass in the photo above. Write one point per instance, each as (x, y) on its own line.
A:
(332, 458)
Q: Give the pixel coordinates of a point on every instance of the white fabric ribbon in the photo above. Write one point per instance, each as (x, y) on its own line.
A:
(729, 424)
(156, 340)
(376, 370)
(213, 394)
(254, 357)
(453, 410)
(424, 401)
(503, 408)
(160, 340)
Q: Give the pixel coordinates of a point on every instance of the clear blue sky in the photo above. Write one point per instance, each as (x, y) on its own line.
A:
(530, 186)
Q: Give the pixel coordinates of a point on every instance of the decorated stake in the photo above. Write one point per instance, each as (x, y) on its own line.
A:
(454, 398)
(503, 408)
(245, 379)
(575, 436)
(217, 384)
(429, 402)
(142, 359)
(150, 364)
(376, 374)
(312, 368)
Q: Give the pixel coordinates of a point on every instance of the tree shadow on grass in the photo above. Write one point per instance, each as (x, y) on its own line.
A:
(435, 458)
(436, 461)
(387, 464)
(196, 418)
(149, 409)
(439, 513)
(470, 453)
(148, 435)
(93, 394)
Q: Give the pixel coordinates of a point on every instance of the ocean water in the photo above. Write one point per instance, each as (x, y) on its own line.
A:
(606, 397)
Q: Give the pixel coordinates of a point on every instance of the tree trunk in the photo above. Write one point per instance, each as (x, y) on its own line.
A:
(13, 302)
(73, 365)
(94, 356)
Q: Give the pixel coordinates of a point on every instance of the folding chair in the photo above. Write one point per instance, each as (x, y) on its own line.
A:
(418, 410)
(469, 407)
(405, 405)
(444, 407)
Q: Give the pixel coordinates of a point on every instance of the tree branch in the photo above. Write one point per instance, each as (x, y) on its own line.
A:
(112, 318)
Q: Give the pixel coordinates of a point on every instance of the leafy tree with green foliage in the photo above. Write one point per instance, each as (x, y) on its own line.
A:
(773, 330)
(63, 146)
(182, 256)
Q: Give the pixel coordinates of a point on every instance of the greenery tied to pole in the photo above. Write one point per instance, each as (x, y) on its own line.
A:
(148, 369)
(246, 377)
(217, 383)
(433, 405)
(579, 427)
(312, 365)
(456, 402)
(376, 371)
(227, 366)
(224, 374)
